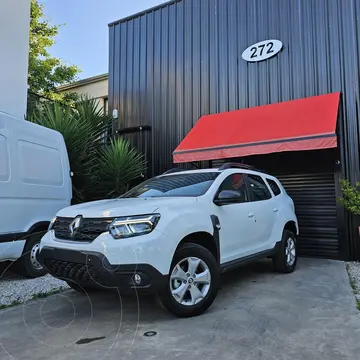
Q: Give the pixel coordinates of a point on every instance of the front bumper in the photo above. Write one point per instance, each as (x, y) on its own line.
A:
(93, 269)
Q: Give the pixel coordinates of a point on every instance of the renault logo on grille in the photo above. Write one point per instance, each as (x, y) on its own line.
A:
(75, 225)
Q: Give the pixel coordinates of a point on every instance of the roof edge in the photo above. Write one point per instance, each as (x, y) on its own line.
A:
(144, 12)
(82, 82)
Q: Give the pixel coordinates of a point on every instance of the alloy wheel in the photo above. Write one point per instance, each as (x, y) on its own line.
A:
(190, 281)
(290, 251)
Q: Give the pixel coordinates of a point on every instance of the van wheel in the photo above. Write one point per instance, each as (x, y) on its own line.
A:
(193, 282)
(28, 265)
(286, 259)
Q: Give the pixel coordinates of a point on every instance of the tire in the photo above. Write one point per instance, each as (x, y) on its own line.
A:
(283, 262)
(28, 265)
(187, 288)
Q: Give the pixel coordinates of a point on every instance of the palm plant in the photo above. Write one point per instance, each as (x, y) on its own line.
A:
(117, 166)
(81, 127)
(100, 170)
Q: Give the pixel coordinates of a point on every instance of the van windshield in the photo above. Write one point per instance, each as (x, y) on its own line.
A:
(177, 185)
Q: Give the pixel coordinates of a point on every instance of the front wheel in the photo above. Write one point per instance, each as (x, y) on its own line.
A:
(286, 259)
(28, 265)
(193, 281)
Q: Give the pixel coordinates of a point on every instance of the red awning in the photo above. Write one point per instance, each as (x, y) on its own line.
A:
(305, 124)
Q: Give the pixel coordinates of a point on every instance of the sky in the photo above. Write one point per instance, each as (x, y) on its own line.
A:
(83, 40)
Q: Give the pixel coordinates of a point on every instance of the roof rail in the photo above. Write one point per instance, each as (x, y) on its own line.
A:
(239, 166)
(174, 170)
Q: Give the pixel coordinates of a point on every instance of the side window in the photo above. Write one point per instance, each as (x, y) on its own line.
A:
(236, 183)
(274, 187)
(258, 189)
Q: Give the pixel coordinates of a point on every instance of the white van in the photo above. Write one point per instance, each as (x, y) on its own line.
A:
(35, 183)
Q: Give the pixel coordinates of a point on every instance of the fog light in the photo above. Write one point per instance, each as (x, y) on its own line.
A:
(137, 279)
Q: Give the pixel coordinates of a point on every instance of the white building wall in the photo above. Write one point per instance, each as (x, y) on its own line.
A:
(94, 89)
(14, 49)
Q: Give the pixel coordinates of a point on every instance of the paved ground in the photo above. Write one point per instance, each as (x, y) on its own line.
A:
(310, 314)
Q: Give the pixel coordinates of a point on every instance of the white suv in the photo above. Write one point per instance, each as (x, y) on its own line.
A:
(174, 235)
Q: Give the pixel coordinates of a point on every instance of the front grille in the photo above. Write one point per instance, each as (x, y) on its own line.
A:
(71, 271)
(88, 231)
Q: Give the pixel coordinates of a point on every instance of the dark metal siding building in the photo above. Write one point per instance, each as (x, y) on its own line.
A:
(172, 64)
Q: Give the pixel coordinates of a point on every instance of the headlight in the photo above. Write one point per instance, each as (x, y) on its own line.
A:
(128, 226)
(52, 222)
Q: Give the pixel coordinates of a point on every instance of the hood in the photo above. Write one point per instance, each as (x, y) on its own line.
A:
(123, 207)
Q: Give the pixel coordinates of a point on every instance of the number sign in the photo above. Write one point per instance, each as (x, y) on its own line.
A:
(262, 50)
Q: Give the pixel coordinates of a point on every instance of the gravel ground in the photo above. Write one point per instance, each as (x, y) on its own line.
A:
(353, 269)
(17, 290)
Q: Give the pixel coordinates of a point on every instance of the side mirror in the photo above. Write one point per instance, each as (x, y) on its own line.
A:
(227, 197)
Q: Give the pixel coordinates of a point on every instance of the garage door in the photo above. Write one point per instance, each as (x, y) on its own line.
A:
(315, 204)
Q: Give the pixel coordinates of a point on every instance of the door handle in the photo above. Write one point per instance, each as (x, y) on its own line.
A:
(276, 210)
(251, 215)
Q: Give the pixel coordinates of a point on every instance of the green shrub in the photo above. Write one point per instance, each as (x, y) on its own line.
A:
(350, 196)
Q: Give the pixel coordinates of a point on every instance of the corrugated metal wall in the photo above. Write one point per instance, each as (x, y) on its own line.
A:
(183, 60)
(172, 65)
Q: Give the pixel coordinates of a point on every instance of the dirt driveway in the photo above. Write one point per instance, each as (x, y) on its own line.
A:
(310, 314)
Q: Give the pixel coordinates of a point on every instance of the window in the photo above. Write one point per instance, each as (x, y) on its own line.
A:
(104, 137)
(195, 184)
(235, 182)
(259, 190)
(106, 106)
(274, 187)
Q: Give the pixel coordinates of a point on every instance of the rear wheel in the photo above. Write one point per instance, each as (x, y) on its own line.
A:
(286, 259)
(28, 265)
(193, 281)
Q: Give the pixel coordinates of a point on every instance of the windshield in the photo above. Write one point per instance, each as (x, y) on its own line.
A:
(195, 184)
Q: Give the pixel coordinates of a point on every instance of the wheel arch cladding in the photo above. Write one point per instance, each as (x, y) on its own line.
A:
(204, 239)
(291, 226)
(39, 227)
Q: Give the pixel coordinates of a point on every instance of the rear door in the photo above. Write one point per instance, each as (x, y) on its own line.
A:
(236, 220)
(265, 209)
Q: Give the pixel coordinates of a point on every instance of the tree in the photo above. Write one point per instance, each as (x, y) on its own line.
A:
(46, 72)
